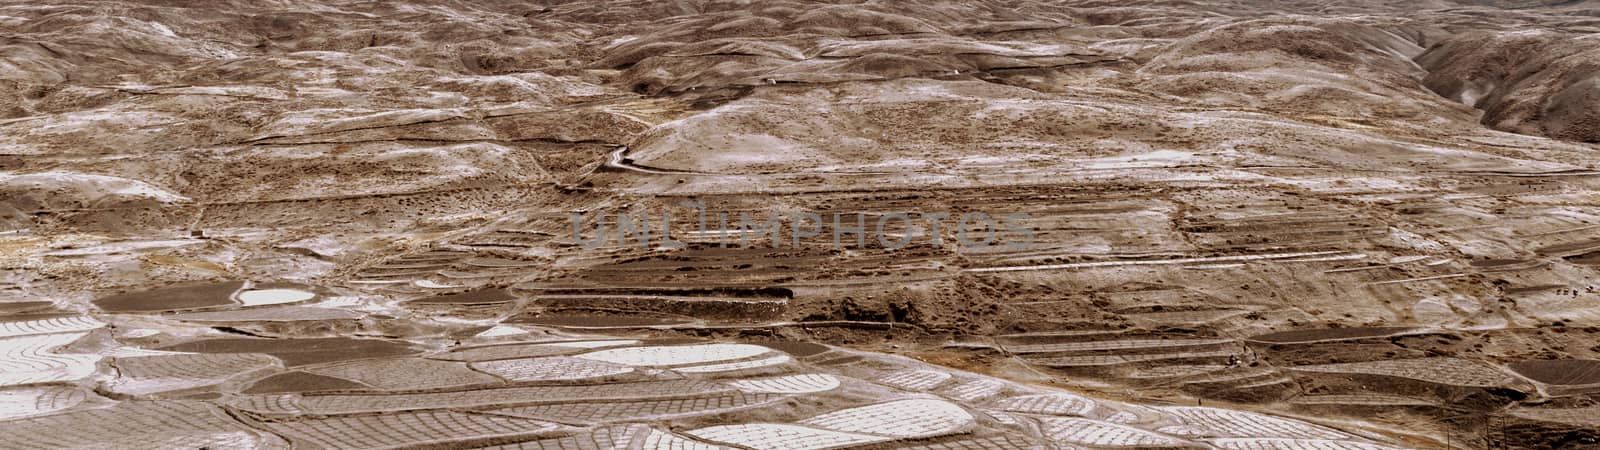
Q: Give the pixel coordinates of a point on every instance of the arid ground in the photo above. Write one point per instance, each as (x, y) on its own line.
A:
(1253, 224)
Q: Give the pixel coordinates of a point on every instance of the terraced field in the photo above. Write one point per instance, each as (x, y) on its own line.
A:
(521, 390)
(919, 224)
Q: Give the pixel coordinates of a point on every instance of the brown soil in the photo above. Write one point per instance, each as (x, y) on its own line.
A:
(1329, 334)
(798, 349)
(11, 308)
(299, 352)
(1560, 372)
(297, 381)
(595, 321)
(175, 298)
(484, 296)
